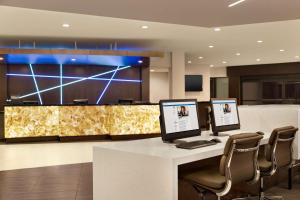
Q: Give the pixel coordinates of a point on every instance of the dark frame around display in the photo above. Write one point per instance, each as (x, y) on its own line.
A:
(178, 135)
(217, 129)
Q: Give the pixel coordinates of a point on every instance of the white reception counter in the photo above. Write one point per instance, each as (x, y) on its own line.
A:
(148, 169)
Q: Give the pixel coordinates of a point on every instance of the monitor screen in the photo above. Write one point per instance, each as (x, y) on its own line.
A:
(225, 112)
(193, 83)
(179, 119)
(224, 115)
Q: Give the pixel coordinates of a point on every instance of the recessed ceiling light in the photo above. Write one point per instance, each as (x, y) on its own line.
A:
(258, 59)
(260, 41)
(66, 25)
(217, 29)
(224, 62)
(236, 3)
(145, 27)
(297, 57)
(1, 58)
(189, 61)
(140, 61)
(211, 46)
(200, 57)
(211, 65)
(152, 70)
(281, 50)
(238, 54)
(73, 59)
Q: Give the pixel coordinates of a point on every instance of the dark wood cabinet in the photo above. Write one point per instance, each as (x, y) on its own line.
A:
(270, 90)
(265, 84)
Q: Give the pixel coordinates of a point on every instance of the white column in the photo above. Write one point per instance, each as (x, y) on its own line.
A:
(177, 90)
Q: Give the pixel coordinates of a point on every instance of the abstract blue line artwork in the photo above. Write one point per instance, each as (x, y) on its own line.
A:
(36, 85)
(75, 79)
(61, 82)
(107, 85)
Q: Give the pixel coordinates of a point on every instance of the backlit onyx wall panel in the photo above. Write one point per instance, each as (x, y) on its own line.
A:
(115, 120)
(126, 84)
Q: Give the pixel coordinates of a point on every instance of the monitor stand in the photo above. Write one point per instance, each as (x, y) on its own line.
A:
(217, 134)
(175, 142)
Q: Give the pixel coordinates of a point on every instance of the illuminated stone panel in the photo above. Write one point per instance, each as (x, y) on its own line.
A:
(31, 121)
(37, 121)
(83, 120)
(134, 119)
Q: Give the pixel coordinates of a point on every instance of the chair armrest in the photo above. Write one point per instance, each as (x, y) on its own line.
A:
(260, 133)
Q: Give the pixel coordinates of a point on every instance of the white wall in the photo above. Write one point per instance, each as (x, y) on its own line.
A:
(160, 82)
(218, 72)
(205, 72)
(177, 75)
(164, 62)
(159, 86)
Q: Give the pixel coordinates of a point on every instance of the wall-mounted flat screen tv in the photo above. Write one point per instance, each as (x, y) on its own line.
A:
(193, 83)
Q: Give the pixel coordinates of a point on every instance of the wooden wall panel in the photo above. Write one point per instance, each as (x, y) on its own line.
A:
(237, 72)
(82, 52)
(267, 69)
(3, 91)
(3, 86)
(88, 89)
(1, 125)
(145, 75)
(234, 87)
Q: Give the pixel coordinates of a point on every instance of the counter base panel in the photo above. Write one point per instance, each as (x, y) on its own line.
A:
(79, 138)
(83, 138)
(134, 137)
(31, 139)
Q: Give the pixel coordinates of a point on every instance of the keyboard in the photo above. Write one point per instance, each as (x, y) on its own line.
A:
(195, 144)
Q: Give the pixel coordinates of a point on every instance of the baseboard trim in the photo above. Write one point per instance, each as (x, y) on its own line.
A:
(134, 137)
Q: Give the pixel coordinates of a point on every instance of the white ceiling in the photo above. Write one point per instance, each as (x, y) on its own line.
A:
(205, 13)
(20, 23)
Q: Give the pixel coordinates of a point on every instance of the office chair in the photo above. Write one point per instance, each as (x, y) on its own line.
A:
(278, 154)
(238, 164)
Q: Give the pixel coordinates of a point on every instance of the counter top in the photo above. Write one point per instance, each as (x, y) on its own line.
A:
(71, 104)
(150, 166)
(136, 104)
(157, 148)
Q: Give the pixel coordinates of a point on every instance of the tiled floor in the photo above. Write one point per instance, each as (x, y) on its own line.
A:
(74, 182)
(47, 172)
(67, 182)
(293, 194)
(32, 155)
(71, 182)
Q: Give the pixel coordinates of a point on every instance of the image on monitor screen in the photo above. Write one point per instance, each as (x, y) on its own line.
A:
(179, 118)
(224, 115)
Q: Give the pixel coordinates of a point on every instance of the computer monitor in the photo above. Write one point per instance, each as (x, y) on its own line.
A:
(81, 101)
(125, 101)
(30, 103)
(224, 115)
(179, 119)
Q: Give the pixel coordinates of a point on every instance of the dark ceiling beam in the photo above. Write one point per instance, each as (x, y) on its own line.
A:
(82, 52)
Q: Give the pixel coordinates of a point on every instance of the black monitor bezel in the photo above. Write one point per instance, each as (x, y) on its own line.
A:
(187, 89)
(177, 135)
(216, 129)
